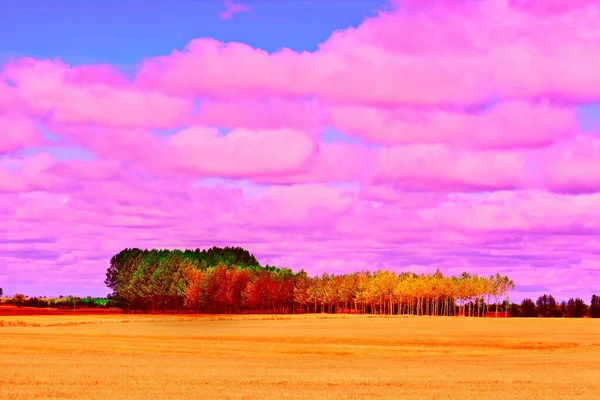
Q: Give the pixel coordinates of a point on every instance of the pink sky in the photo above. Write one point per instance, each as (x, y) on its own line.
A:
(225, 144)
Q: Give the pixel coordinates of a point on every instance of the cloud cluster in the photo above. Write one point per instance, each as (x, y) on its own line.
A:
(457, 146)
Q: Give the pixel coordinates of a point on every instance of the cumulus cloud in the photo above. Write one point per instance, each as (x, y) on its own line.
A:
(240, 153)
(457, 146)
(55, 92)
(439, 167)
(17, 132)
(448, 54)
(504, 125)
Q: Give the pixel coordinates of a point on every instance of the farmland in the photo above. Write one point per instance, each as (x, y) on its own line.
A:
(100, 356)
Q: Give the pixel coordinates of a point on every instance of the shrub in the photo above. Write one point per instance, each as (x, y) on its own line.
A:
(18, 299)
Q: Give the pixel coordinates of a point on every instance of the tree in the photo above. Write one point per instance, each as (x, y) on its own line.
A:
(544, 304)
(1, 292)
(506, 285)
(595, 307)
(230, 279)
(496, 290)
(576, 308)
(515, 310)
(553, 311)
(528, 308)
(547, 307)
(18, 299)
(301, 295)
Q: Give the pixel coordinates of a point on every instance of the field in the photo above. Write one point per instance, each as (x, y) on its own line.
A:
(115, 356)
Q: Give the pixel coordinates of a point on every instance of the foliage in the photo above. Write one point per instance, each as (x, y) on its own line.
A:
(547, 307)
(18, 299)
(595, 307)
(528, 309)
(576, 308)
(230, 280)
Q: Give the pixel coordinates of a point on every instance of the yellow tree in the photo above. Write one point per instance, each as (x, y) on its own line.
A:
(505, 286)
(314, 291)
(496, 290)
(301, 290)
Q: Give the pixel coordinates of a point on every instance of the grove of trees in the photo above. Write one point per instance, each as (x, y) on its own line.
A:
(230, 280)
(547, 307)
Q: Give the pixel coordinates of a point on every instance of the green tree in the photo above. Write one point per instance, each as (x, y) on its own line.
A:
(515, 310)
(576, 308)
(528, 309)
(595, 307)
(542, 306)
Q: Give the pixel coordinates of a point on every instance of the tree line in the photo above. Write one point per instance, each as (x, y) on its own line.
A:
(64, 302)
(230, 280)
(547, 307)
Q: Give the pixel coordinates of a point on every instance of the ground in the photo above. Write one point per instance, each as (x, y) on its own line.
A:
(114, 356)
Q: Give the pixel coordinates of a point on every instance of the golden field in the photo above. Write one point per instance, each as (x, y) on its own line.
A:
(116, 356)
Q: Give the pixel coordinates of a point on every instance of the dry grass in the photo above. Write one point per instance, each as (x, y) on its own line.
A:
(334, 357)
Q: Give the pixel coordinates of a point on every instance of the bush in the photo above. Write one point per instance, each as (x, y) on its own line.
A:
(18, 299)
(515, 310)
(36, 302)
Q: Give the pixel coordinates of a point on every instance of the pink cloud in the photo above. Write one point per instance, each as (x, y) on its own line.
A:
(17, 132)
(201, 151)
(447, 54)
(300, 222)
(333, 77)
(7, 97)
(441, 168)
(272, 113)
(333, 162)
(232, 8)
(506, 124)
(28, 174)
(413, 182)
(551, 6)
(240, 153)
(521, 211)
(117, 144)
(572, 166)
(90, 95)
(387, 193)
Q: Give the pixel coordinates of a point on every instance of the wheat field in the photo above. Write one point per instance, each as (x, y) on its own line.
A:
(297, 357)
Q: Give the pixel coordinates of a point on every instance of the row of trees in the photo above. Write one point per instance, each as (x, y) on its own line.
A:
(547, 307)
(20, 300)
(230, 280)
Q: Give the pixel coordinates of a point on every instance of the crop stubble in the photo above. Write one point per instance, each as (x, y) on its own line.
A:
(315, 356)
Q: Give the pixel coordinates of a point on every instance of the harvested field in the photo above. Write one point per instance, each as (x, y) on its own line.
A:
(309, 356)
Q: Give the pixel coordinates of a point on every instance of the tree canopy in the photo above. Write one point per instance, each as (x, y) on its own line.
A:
(231, 280)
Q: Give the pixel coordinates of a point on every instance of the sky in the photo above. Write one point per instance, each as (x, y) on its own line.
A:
(330, 136)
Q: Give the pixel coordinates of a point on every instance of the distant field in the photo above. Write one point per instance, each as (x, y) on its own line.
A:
(115, 356)
(6, 310)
